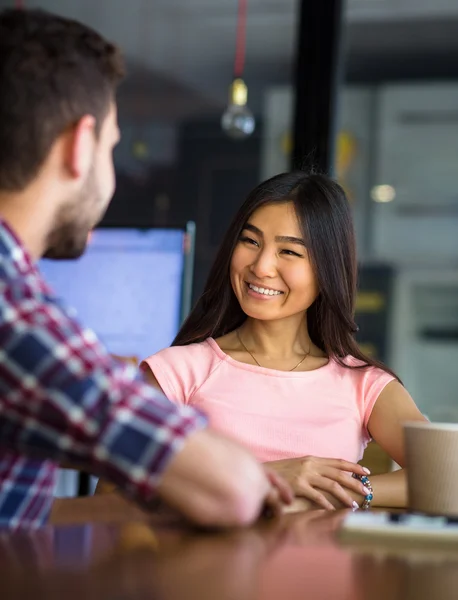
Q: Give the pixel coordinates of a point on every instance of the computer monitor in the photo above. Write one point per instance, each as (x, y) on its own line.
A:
(132, 286)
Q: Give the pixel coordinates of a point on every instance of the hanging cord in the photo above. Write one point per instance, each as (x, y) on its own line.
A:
(240, 44)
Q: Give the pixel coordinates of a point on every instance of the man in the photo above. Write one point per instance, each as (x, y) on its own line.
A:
(62, 398)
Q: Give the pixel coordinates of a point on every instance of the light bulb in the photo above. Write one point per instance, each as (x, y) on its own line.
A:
(238, 121)
(383, 193)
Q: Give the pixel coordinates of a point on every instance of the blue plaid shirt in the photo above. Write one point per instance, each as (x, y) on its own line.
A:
(63, 399)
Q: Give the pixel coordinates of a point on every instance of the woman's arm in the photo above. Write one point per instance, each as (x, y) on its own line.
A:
(393, 408)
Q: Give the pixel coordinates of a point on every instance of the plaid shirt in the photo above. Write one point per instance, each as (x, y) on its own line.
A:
(64, 399)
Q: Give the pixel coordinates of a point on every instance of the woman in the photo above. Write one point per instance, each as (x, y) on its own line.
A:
(269, 350)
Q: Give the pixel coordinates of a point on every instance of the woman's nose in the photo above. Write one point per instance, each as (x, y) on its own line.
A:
(265, 265)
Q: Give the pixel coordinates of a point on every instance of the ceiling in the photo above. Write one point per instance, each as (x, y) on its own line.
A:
(180, 52)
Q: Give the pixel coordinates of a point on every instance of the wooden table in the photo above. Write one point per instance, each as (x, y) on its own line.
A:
(104, 548)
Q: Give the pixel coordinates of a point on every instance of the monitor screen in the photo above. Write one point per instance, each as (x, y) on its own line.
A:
(128, 287)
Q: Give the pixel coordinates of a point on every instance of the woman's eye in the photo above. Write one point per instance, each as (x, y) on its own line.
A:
(248, 240)
(291, 253)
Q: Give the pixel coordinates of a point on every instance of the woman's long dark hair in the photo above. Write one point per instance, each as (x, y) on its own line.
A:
(326, 221)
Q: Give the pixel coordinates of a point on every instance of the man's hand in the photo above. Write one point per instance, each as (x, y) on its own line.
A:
(214, 482)
(280, 493)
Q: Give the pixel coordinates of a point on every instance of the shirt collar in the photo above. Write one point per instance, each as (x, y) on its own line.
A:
(12, 247)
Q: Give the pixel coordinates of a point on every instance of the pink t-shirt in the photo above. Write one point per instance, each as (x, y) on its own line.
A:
(276, 414)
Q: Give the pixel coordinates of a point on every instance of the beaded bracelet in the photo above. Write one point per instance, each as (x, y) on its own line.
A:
(365, 481)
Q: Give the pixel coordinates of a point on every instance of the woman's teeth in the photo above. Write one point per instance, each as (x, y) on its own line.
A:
(264, 291)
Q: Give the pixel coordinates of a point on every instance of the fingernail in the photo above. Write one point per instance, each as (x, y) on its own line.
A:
(366, 491)
(366, 470)
(355, 506)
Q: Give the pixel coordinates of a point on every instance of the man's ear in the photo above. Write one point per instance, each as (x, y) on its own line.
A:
(81, 147)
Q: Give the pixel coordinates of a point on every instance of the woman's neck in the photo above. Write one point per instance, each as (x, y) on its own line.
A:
(277, 339)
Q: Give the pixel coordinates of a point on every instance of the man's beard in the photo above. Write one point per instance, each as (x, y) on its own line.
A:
(74, 221)
(66, 241)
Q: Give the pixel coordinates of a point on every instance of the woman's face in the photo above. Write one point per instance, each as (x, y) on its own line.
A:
(271, 274)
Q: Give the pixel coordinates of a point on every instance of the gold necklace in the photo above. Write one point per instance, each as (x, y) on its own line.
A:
(257, 362)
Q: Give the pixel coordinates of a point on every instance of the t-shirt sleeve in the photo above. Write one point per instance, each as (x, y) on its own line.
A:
(374, 382)
(180, 370)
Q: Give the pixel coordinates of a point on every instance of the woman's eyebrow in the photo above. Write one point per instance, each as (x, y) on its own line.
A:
(283, 239)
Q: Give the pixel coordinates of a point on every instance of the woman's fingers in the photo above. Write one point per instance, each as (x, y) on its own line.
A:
(336, 490)
(344, 465)
(346, 481)
(317, 498)
(326, 482)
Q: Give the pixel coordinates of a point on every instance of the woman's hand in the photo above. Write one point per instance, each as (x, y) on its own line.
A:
(312, 478)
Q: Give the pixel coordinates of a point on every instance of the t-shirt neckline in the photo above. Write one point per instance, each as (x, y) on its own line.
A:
(262, 370)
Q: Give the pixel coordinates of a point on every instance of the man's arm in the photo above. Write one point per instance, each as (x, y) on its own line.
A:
(64, 398)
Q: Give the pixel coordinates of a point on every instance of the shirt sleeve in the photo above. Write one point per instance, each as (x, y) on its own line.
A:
(181, 370)
(63, 397)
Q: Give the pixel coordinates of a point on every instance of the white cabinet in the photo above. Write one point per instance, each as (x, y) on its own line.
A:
(424, 339)
(417, 154)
